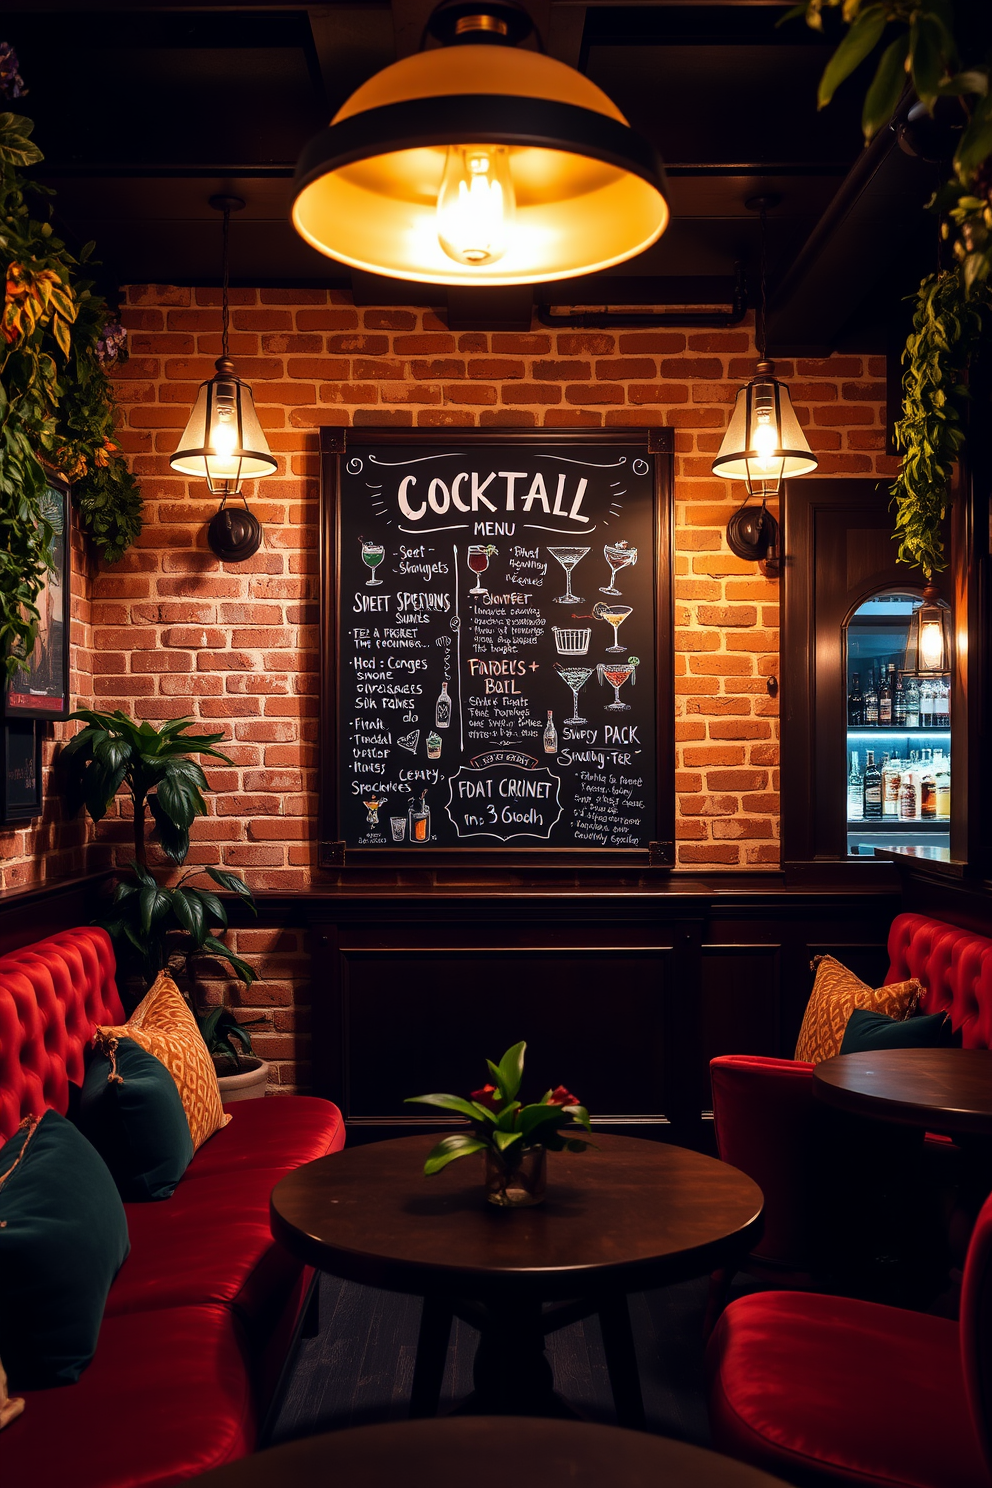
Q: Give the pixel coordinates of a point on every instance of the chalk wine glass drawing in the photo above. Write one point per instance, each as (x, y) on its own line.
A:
(574, 678)
(569, 558)
(614, 615)
(618, 555)
(616, 673)
(478, 557)
(372, 555)
(514, 1138)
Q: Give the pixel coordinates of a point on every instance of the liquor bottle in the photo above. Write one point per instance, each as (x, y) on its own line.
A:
(855, 704)
(943, 769)
(909, 797)
(871, 703)
(442, 709)
(912, 704)
(942, 706)
(928, 791)
(550, 735)
(899, 704)
(926, 705)
(885, 699)
(891, 780)
(419, 816)
(855, 791)
(873, 788)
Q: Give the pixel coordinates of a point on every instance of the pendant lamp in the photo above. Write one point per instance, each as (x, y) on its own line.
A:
(476, 162)
(223, 442)
(928, 650)
(765, 441)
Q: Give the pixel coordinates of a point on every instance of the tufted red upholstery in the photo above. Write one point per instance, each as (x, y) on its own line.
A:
(202, 1313)
(954, 965)
(52, 996)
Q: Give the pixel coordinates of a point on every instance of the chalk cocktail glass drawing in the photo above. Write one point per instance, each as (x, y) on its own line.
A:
(372, 555)
(618, 555)
(614, 615)
(372, 807)
(478, 562)
(616, 673)
(574, 678)
(568, 558)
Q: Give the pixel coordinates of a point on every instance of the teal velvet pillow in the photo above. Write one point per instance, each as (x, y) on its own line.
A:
(867, 1031)
(63, 1238)
(131, 1110)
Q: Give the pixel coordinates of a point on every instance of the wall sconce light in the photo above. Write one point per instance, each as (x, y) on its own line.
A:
(928, 649)
(764, 443)
(223, 442)
(478, 163)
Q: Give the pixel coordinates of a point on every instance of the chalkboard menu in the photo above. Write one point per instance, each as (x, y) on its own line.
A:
(497, 644)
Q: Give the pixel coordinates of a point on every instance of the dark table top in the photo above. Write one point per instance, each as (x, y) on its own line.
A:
(628, 1212)
(946, 1090)
(488, 1452)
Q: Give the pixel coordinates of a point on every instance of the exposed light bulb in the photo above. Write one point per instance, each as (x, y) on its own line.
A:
(476, 204)
(765, 441)
(223, 443)
(932, 645)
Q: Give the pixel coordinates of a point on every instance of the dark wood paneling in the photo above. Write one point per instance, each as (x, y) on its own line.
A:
(739, 1000)
(27, 915)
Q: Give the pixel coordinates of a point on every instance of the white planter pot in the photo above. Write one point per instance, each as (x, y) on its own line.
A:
(246, 1084)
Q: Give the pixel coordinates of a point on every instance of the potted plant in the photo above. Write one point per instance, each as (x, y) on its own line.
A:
(156, 926)
(514, 1138)
(241, 1075)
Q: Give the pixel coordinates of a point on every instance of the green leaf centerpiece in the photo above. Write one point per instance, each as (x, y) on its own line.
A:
(513, 1136)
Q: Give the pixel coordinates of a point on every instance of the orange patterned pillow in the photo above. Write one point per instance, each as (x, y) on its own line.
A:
(164, 1026)
(836, 993)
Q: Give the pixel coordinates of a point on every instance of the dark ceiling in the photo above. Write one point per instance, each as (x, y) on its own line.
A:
(146, 110)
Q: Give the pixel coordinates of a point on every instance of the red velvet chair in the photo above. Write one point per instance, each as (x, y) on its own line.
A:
(827, 1389)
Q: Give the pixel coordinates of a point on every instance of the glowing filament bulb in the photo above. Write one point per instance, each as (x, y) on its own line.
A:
(764, 433)
(932, 645)
(476, 204)
(224, 440)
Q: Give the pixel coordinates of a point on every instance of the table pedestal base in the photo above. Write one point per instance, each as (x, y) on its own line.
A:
(512, 1373)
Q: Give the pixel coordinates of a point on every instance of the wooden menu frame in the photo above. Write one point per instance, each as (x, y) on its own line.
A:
(659, 851)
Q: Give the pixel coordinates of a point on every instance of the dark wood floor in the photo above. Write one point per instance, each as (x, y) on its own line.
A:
(359, 1368)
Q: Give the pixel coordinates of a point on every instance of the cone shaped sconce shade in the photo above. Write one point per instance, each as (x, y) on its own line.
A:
(223, 442)
(478, 163)
(765, 442)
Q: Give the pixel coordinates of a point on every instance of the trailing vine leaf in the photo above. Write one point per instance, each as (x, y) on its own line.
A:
(57, 410)
(948, 325)
(952, 308)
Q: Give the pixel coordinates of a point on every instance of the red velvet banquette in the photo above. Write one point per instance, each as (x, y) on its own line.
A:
(202, 1313)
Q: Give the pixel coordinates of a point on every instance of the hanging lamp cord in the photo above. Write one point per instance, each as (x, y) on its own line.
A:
(759, 324)
(226, 309)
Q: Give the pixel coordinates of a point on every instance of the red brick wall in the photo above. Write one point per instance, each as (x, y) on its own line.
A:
(174, 632)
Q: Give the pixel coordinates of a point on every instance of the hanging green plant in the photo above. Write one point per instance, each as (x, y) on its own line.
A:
(952, 307)
(57, 412)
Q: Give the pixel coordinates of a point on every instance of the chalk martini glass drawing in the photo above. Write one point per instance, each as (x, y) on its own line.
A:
(372, 555)
(478, 561)
(618, 555)
(574, 678)
(568, 558)
(372, 807)
(614, 615)
(616, 673)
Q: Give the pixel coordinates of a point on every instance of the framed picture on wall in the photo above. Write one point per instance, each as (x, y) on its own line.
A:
(497, 646)
(20, 771)
(40, 688)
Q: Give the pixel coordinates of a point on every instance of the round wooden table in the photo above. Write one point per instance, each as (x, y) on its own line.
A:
(488, 1453)
(943, 1090)
(627, 1215)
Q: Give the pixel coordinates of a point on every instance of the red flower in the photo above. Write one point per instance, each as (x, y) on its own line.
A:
(485, 1096)
(561, 1097)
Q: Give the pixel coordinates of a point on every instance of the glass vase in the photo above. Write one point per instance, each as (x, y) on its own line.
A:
(517, 1185)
